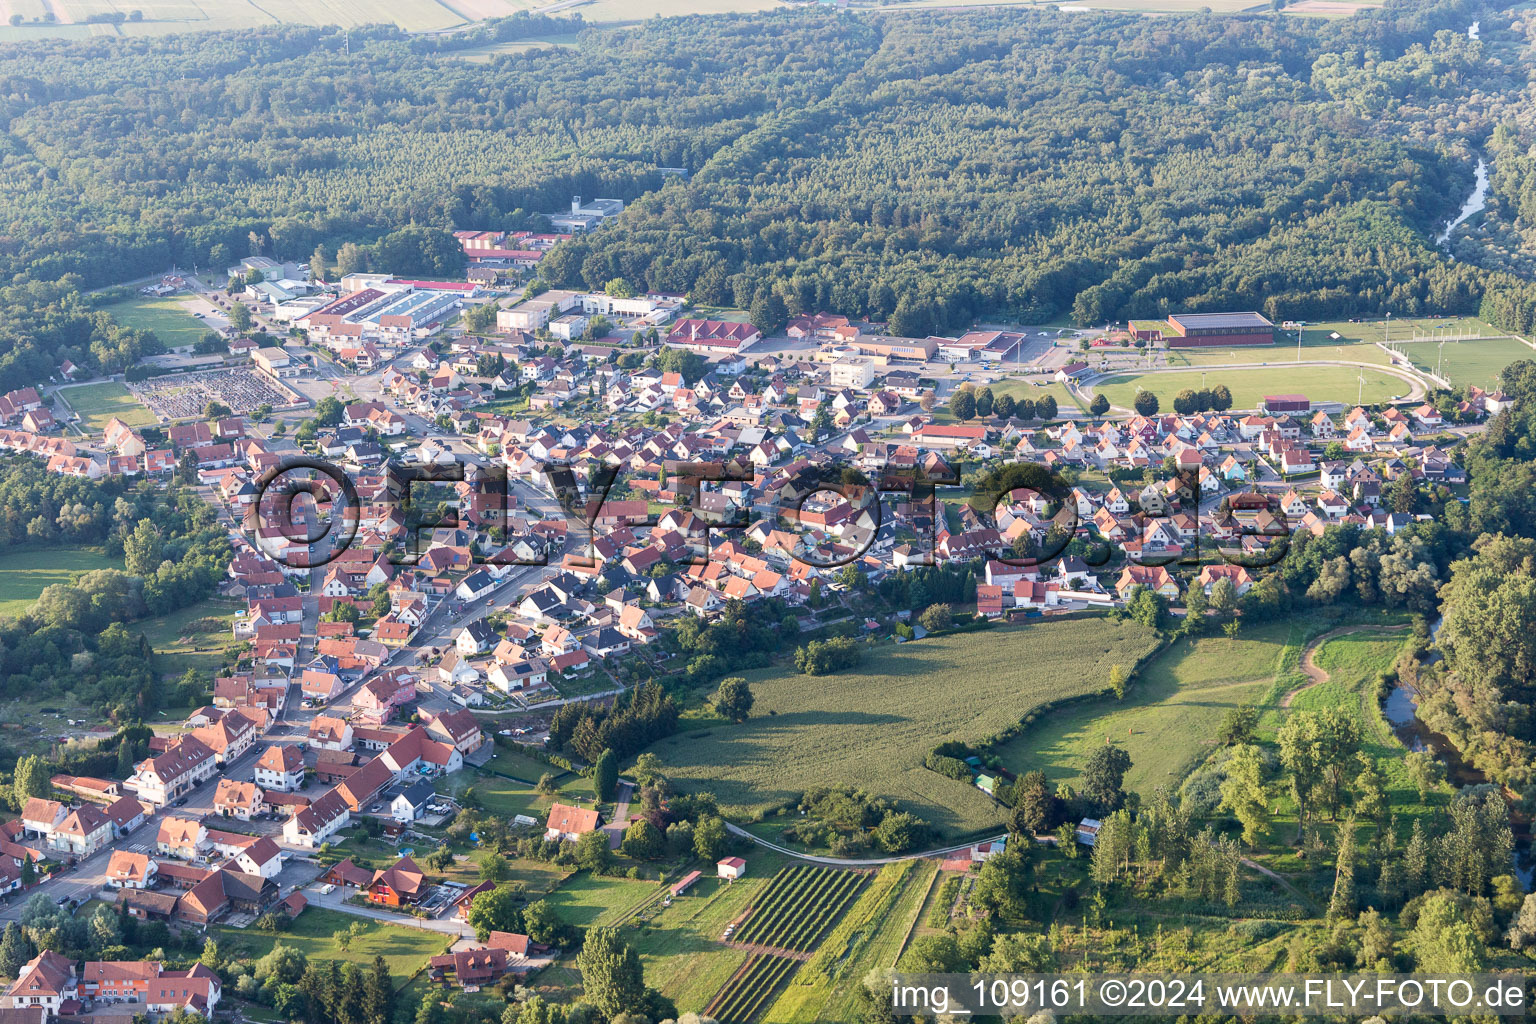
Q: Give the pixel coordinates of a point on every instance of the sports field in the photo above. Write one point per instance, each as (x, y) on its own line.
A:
(1468, 362)
(1319, 383)
(872, 726)
(98, 403)
(24, 573)
(167, 317)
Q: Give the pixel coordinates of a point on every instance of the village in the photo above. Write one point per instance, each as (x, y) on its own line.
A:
(706, 469)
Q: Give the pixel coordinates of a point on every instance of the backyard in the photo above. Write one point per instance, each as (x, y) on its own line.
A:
(314, 934)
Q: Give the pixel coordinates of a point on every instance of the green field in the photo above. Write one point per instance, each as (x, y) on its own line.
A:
(194, 637)
(97, 403)
(1170, 711)
(1319, 383)
(871, 727)
(24, 573)
(586, 899)
(167, 317)
(403, 949)
(1468, 362)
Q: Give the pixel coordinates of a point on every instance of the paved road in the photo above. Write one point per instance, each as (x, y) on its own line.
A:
(854, 862)
(615, 828)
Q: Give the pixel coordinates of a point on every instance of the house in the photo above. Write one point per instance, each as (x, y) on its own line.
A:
(281, 768)
(315, 824)
(346, 873)
(47, 980)
(1087, 832)
(458, 728)
(475, 586)
(401, 884)
(182, 838)
(161, 779)
(731, 868)
(411, 802)
(261, 858)
(235, 799)
(129, 870)
(1153, 577)
(1236, 573)
(328, 733)
(569, 823)
(476, 638)
(83, 831)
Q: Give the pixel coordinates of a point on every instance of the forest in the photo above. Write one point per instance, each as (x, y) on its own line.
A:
(919, 167)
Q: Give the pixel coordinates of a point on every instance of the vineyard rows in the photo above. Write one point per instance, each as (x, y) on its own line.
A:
(750, 989)
(798, 907)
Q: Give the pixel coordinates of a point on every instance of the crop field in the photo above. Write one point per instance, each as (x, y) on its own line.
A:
(1170, 711)
(750, 989)
(98, 403)
(799, 906)
(871, 727)
(1467, 362)
(24, 573)
(167, 317)
(1320, 383)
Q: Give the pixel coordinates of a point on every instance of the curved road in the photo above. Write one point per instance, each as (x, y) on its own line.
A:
(852, 862)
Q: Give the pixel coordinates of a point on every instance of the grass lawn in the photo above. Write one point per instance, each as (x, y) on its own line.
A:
(587, 899)
(510, 762)
(1468, 362)
(1320, 383)
(97, 403)
(168, 317)
(1170, 711)
(872, 726)
(403, 949)
(25, 572)
(194, 637)
(506, 797)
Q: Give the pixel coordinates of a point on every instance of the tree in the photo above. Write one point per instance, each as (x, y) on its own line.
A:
(15, 950)
(611, 976)
(142, 549)
(1521, 933)
(497, 910)
(1243, 791)
(1099, 406)
(592, 853)
(767, 312)
(350, 259)
(31, 779)
(733, 699)
(1302, 755)
(1342, 902)
(710, 837)
(643, 840)
(240, 317)
(1221, 398)
(936, 617)
(1118, 677)
(1103, 776)
(962, 404)
(379, 993)
(1003, 885)
(899, 832)
(1445, 941)
(211, 957)
(318, 261)
(605, 775)
(1145, 403)
(984, 402)
(1034, 801)
(1224, 596)
(1045, 408)
(1426, 770)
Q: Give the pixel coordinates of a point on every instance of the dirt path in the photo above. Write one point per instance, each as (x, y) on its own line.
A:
(1316, 675)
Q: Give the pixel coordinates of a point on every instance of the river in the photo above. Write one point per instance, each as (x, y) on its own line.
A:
(1474, 204)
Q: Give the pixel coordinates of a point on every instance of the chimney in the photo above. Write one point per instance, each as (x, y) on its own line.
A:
(575, 204)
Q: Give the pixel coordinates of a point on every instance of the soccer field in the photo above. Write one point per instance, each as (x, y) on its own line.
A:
(1319, 383)
(97, 403)
(1468, 362)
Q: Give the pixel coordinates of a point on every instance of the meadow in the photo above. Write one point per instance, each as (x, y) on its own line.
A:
(872, 726)
(1468, 362)
(312, 932)
(1320, 383)
(168, 317)
(193, 637)
(24, 573)
(98, 403)
(1170, 712)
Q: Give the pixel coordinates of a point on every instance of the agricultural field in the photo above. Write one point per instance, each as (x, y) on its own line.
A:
(24, 573)
(586, 899)
(872, 726)
(312, 932)
(168, 317)
(97, 403)
(1320, 383)
(750, 989)
(1467, 362)
(1171, 708)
